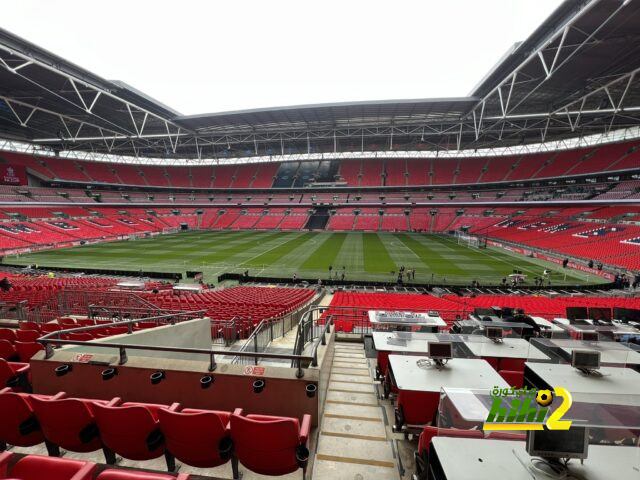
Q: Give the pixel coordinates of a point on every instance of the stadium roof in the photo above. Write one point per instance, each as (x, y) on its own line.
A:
(576, 75)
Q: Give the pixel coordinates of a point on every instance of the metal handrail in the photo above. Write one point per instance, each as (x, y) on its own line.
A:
(49, 340)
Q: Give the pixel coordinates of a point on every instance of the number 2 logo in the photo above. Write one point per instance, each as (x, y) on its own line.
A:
(554, 422)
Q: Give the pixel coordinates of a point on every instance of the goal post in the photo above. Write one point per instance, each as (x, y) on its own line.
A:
(169, 230)
(471, 241)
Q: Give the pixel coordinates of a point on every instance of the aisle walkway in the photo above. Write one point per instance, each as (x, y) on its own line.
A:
(353, 442)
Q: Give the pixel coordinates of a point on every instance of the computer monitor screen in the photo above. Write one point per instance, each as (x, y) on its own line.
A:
(440, 350)
(599, 313)
(585, 359)
(577, 312)
(590, 336)
(482, 312)
(493, 332)
(507, 312)
(572, 443)
(626, 314)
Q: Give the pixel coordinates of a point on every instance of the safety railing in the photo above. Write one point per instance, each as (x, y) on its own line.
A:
(51, 340)
(14, 310)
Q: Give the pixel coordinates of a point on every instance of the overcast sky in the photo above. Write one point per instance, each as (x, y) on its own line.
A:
(211, 56)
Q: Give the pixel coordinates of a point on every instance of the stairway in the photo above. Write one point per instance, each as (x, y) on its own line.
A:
(319, 219)
(352, 438)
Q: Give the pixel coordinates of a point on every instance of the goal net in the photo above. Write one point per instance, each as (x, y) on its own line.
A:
(470, 241)
(168, 230)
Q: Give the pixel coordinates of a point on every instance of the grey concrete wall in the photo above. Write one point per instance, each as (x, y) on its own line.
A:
(190, 334)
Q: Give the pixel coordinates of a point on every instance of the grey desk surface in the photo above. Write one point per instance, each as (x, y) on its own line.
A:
(388, 317)
(486, 459)
(614, 380)
(610, 352)
(508, 348)
(416, 342)
(458, 373)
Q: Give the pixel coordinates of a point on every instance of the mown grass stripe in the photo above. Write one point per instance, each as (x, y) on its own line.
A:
(376, 257)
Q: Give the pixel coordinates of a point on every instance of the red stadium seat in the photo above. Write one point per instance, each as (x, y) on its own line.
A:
(18, 423)
(8, 351)
(29, 326)
(199, 438)
(70, 423)
(14, 375)
(34, 467)
(132, 430)
(129, 475)
(422, 454)
(271, 445)
(8, 334)
(26, 350)
(28, 335)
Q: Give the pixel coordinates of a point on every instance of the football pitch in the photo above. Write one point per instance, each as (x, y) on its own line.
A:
(362, 256)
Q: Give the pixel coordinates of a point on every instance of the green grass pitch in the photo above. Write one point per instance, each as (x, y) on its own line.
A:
(364, 256)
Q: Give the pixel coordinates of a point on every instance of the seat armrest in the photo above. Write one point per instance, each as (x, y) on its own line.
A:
(6, 390)
(114, 402)
(175, 407)
(23, 370)
(238, 411)
(59, 396)
(86, 472)
(5, 458)
(305, 429)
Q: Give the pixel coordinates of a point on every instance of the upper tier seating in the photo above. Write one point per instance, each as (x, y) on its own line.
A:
(368, 172)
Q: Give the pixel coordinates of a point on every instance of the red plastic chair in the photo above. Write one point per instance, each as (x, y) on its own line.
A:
(8, 334)
(422, 454)
(67, 322)
(18, 423)
(513, 378)
(8, 350)
(26, 350)
(27, 335)
(129, 475)
(70, 423)
(34, 467)
(199, 438)
(271, 445)
(14, 375)
(29, 326)
(50, 327)
(132, 430)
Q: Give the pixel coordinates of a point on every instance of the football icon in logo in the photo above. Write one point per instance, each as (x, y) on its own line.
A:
(544, 397)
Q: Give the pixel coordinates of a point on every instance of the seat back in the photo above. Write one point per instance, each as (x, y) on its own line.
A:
(68, 423)
(27, 335)
(8, 334)
(129, 475)
(6, 374)
(18, 423)
(34, 467)
(7, 350)
(266, 445)
(26, 350)
(194, 437)
(129, 431)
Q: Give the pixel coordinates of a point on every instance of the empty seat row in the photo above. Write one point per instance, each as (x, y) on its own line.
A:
(35, 467)
(141, 431)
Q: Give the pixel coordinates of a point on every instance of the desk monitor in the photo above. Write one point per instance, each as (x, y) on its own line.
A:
(494, 333)
(590, 336)
(440, 350)
(598, 313)
(585, 359)
(572, 443)
(626, 314)
(484, 312)
(574, 313)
